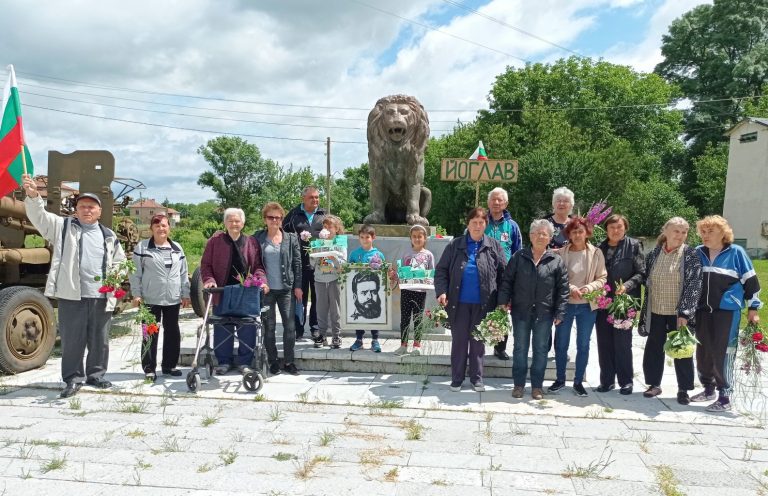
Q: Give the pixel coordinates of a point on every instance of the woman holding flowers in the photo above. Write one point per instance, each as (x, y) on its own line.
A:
(729, 281)
(229, 258)
(535, 289)
(624, 263)
(672, 279)
(467, 278)
(586, 277)
(281, 257)
(162, 284)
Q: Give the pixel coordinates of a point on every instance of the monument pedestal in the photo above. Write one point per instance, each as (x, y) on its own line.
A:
(394, 230)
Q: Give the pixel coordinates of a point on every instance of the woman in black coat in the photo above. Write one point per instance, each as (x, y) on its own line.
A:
(625, 262)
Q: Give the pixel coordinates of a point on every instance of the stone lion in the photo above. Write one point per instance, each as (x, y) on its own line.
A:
(398, 130)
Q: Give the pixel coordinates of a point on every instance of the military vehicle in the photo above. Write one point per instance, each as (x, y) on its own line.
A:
(27, 324)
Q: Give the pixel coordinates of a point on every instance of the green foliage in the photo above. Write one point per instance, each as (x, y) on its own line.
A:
(711, 168)
(717, 52)
(650, 203)
(239, 173)
(350, 195)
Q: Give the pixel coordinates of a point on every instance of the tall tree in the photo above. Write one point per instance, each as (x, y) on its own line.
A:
(239, 172)
(717, 54)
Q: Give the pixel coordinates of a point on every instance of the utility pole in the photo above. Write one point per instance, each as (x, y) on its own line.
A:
(328, 172)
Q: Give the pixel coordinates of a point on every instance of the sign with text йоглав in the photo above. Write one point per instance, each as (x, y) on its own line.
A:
(484, 171)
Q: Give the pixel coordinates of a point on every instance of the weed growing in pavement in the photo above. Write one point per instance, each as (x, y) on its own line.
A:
(608, 409)
(237, 436)
(169, 444)
(592, 470)
(327, 438)
(126, 405)
(136, 433)
(282, 456)
(414, 430)
(46, 442)
(75, 404)
(275, 415)
(165, 400)
(517, 430)
(392, 475)
(594, 414)
(440, 482)
(259, 397)
(205, 467)
(667, 481)
(281, 440)
(25, 474)
(209, 420)
(303, 397)
(228, 456)
(140, 464)
(305, 469)
(55, 463)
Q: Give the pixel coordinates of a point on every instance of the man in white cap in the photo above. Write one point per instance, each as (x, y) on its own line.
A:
(83, 249)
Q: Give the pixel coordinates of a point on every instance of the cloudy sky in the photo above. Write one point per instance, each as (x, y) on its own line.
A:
(152, 81)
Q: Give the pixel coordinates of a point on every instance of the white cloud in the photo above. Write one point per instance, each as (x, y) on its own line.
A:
(284, 51)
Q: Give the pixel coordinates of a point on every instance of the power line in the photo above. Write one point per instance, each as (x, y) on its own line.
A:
(515, 28)
(427, 26)
(153, 124)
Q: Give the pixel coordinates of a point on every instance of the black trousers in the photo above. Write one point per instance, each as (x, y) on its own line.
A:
(713, 330)
(654, 357)
(411, 305)
(614, 352)
(169, 317)
(308, 287)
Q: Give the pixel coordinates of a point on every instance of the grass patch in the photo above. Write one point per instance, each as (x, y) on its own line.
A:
(392, 475)
(327, 437)
(209, 420)
(125, 405)
(305, 469)
(282, 456)
(55, 463)
(275, 415)
(593, 470)
(668, 483)
(414, 430)
(205, 467)
(75, 404)
(136, 433)
(259, 397)
(169, 444)
(228, 456)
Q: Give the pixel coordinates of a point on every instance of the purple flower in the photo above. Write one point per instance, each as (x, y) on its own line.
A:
(609, 319)
(607, 287)
(631, 313)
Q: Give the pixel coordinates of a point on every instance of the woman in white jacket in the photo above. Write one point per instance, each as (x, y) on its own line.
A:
(161, 283)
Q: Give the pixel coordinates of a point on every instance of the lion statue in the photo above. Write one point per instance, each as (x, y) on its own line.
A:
(398, 130)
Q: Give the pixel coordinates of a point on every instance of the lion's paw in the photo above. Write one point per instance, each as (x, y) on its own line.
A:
(412, 219)
(375, 218)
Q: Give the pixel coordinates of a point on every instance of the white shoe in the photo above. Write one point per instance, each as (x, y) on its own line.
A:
(402, 350)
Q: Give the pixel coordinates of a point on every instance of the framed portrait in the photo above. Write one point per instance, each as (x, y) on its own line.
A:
(365, 302)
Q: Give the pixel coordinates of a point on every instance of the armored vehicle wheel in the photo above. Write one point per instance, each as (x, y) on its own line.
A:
(27, 327)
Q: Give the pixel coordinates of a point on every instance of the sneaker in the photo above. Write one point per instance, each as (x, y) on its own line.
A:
(578, 389)
(518, 391)
(98, 383)
(402, 350)
(274, 369)
(652, 392)
(70, 389)
(536, 393)
(375, 346)
(604, 388)
(356, 345)
(335, 343)
(318, 341)
(478, 387)
(243, 369)
(706, 395)
(626, 389)
(291, 369)
(172, 372)
(455, 387)
(415, 352)
(719, 405)
(556, 386)
(682, 397)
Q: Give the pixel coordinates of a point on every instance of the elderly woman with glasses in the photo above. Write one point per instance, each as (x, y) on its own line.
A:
(229, 255)
(562, 206)
(162, 284)
(281, 256)
(535, 288)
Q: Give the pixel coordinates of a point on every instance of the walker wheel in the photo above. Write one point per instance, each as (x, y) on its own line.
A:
(193, 381)
(253, 381)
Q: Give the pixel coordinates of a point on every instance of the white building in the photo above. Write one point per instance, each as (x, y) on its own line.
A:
(746, 201)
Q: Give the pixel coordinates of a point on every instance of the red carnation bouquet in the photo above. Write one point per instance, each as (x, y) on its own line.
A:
(753, 341)
(112, 282)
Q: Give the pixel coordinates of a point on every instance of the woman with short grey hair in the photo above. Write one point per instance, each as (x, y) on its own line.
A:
(562, 206)
(535, 288)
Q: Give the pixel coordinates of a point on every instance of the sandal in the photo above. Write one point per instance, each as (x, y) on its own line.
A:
(718, 406)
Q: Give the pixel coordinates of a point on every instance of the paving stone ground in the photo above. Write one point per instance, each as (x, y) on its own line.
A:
(334, 433)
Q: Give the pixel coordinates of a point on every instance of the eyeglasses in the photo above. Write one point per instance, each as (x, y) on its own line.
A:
(274, 217)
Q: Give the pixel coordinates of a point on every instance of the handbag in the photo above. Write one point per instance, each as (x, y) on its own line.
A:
(239, 301)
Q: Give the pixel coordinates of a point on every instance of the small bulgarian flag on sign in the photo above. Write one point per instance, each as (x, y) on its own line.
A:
(15, 159)
(479, 152)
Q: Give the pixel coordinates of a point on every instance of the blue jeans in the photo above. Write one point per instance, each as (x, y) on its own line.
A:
(224, 344)
(585, 321)
(523, 329)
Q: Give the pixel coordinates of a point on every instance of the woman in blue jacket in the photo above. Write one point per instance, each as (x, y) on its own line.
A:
(729, 281)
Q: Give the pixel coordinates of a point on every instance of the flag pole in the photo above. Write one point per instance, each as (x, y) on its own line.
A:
(23, 160)
(477, 193)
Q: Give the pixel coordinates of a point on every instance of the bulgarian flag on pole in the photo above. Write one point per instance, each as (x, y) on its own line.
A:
(15, 159)
(479, 152)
